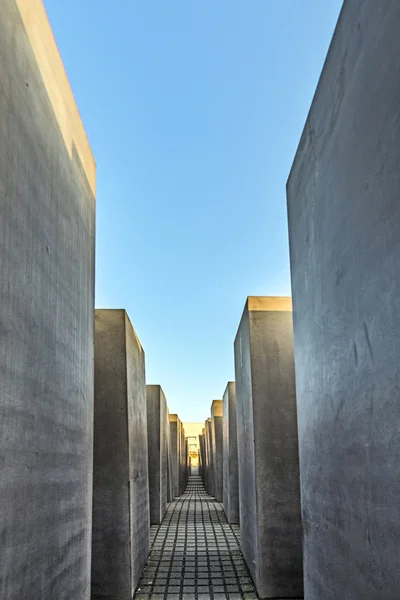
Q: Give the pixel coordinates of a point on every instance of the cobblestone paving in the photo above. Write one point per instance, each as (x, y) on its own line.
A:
(195, 553)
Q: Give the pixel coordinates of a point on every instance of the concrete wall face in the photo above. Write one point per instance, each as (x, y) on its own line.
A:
(157, 452)
(170, 483)
(217, 447)
(268, 448)
(230, 456)
(138, 457)
(175, 453)
(46, 315)
(210, 464)
(120, 487)
(344, 223)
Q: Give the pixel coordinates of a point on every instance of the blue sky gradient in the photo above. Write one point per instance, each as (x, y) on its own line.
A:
(194, 110)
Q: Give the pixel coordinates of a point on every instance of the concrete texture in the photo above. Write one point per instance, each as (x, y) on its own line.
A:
(182, 460)
(47, 187)
(158, 452)
(121, 524)
(209, 460)
(217, 427)
(175, 452)
(230, 455)
(269, 483)
(170, 483)
(344, 223)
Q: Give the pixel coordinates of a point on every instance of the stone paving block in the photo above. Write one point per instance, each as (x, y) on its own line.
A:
(269, 482)
(47, 225)
(344, 228)
(192, 517)
(121, 526)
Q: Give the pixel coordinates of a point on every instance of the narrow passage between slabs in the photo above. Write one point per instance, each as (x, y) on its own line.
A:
(195, 554)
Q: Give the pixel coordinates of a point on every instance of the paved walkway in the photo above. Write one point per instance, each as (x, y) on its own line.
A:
(195, 553)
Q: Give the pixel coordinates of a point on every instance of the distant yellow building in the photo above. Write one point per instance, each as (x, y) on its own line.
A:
(192, 432)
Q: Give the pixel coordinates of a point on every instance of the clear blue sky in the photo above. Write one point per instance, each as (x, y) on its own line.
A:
(194, 109)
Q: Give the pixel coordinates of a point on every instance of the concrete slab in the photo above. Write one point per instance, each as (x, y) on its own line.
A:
(158, 452)
(209, 459)
(230, 455)
(170, 483)
(175, 452)
(47, 200)
(121, 524)
(344, 223)
(269, 483)
(217, 447)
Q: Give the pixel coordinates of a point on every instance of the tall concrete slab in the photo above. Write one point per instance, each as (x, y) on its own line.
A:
(217, 447)
(157, 452)
(230, 455)
(174, 424)
(182, 459)
(344, 224)
(121, 523)
(269, 483)
(209, 458)
(47, 204)
(170, 483)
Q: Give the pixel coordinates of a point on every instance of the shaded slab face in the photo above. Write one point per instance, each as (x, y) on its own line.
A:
(217, 447)
(46, 315)
(175, 453)
(120, 489)
(344, 224)
(268, 448)
(158, 452)
(230, 457)
(210, 463)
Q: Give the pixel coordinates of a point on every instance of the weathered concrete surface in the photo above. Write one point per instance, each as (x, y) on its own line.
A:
(201, 456)
(175, 452)
(170, 483)
(158, 452)
(230, 455)
(121, 523)
(182, 460)
(344, 222)
(47, 186)
(210, 464)
(217, 427)
(269, 483)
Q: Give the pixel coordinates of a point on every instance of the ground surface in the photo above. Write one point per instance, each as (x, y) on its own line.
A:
(195, 553)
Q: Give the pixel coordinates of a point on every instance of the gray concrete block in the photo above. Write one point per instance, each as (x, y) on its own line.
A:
(344, 224)
(170, 483)
(217, 447)
(121, 522)
(47, 203)
(230, 455)
(175, 452)
(269, 483)
(158, 452)
(182, 459)
(209, 458)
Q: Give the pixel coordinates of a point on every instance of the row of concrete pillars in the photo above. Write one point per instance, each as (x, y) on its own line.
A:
(249, 449)
(141, 460)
